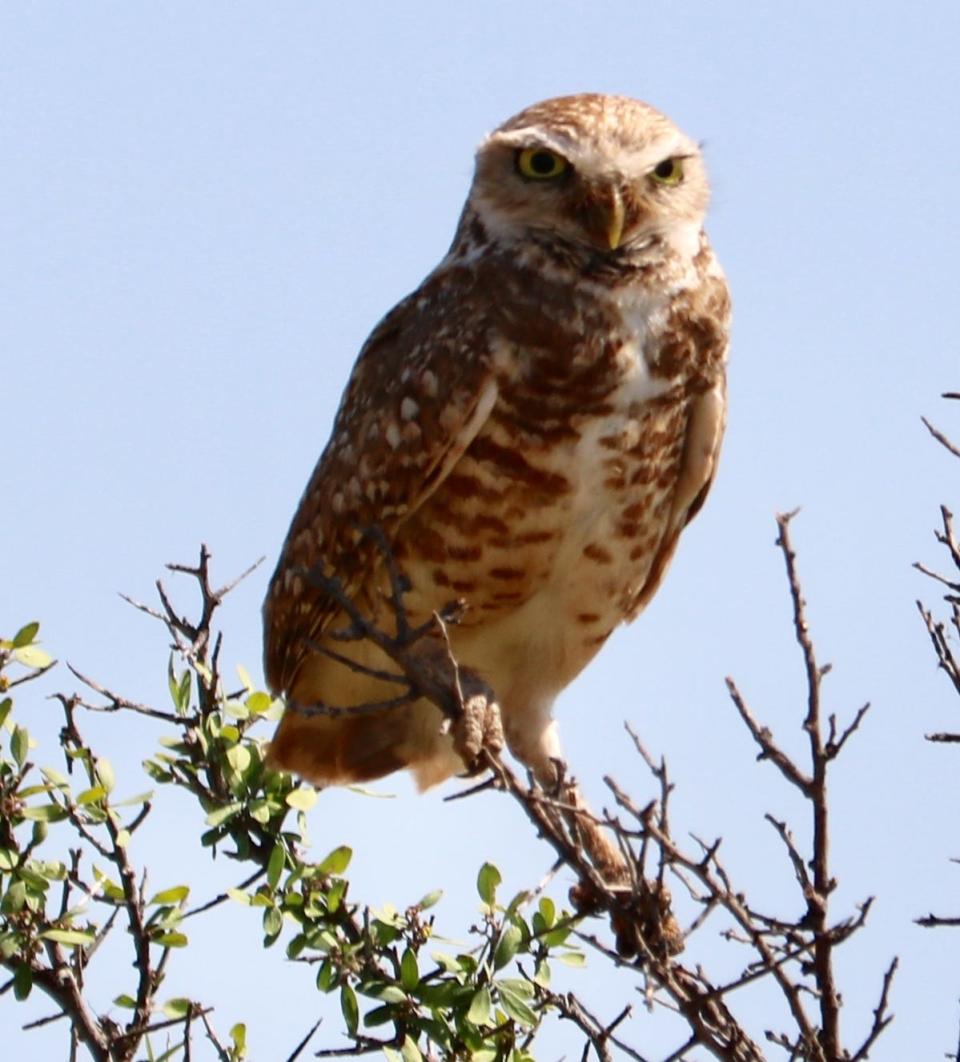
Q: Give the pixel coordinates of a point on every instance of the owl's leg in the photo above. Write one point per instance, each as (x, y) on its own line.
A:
(535, 741)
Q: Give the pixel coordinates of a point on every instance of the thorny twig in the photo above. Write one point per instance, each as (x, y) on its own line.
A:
(944, 634)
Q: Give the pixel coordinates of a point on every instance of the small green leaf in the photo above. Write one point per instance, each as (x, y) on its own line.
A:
(171, 940)
(239, 895)
(337, 861)
(25, 635)
(571, 958)
(238, 756)
(20, 744)
(548, 911)
(409, 971)
(125, 1001)
(275, 865)
(177, 1008)
(32, 656)
(390, 994)
(219, 816)
(272, 921)
(302, 799)
(481, 1007)
(507, 946)
(515, 1005)
(430, 900)
(239, 1036)
(91, 796)
(349, 1008)
(258, 703)
(22, 981)
(45, 813)
(5, 705)
(409, 1052)
(105, 775)
(487, 881)
(8, 859)
(326, 976)
(55, 778)
(68, 936)
(172, 896)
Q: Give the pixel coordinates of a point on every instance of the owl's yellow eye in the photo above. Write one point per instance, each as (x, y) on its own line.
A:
(670, 171)
(540, 164)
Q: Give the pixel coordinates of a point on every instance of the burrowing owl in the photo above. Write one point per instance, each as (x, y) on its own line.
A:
(531, 429)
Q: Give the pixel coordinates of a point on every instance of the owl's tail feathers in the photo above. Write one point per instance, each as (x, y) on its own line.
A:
(338, 751)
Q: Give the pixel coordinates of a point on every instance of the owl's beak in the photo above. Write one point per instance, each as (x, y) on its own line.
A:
(615, 219)
(604, 214)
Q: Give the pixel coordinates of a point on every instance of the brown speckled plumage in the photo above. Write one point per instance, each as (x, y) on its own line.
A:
(531, 429)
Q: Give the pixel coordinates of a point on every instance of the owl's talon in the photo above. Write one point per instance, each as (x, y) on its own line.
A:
(478, 727)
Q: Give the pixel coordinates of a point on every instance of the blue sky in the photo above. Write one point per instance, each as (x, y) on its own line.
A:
(205, 208)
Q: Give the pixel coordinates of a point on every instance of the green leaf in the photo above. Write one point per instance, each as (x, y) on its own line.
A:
(177, 894)
(349, 1008)
(32, 656)
(272, 922)
(514, 1004)
(219, 816)
(557, 936)
(548, 911)
(275, 865)
(140, 798)
(409, 1051)
(542, 974)
(335, 895)
(302, 799)
(239, 895)
(177, 1008)
(55, 778)
(171, 940)
(507, 946)
(571, 958)
(430, 900)
(8, 859)
(5, 705)
(68, 936)
(91, 796)
(258, 703)
(337, 861)
(25, 635)
(326, 976)
(45, 813)
(481, 1007)
(19, 744)
(488, 879)
(22, 981)
(238, 756)
(409, 971)
(105, 775)
(239, 1036)
(125, 1001)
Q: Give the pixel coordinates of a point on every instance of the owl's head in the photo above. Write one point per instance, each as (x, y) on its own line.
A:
(607, 173)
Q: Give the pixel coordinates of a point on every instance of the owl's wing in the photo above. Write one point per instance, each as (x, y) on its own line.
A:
(421, 389)
(706, 420)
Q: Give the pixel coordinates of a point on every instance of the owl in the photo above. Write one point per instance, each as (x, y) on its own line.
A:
(529, 431)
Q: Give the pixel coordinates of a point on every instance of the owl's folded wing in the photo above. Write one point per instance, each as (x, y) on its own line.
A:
(420, 391)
